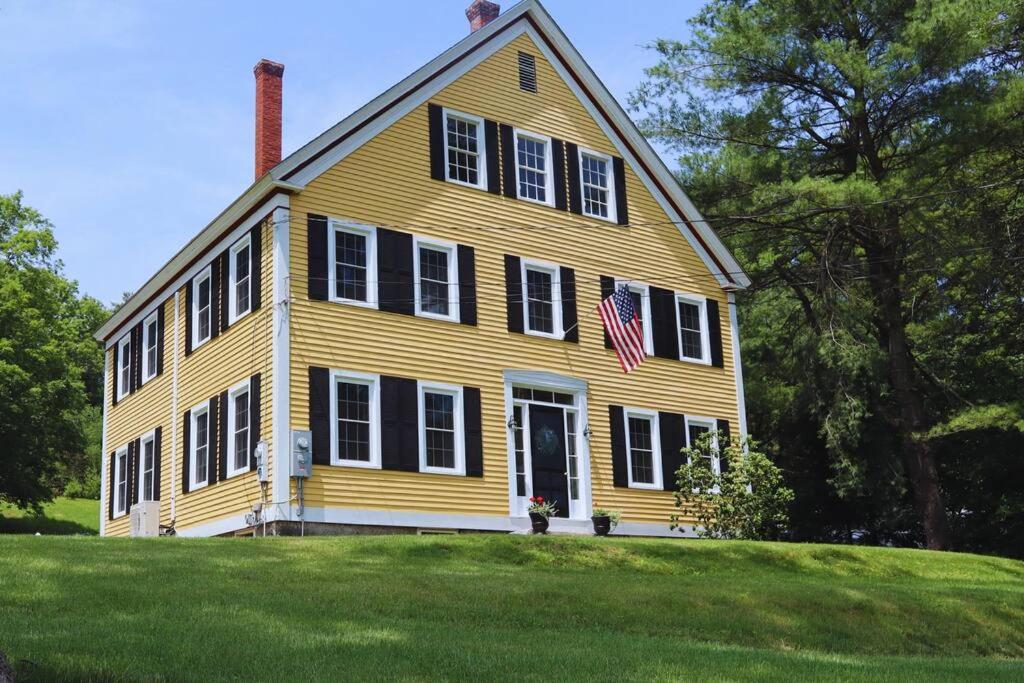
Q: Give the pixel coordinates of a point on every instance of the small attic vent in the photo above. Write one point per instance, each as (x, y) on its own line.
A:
(527, 72)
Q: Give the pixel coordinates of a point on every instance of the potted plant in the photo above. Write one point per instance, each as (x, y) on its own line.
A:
(604, 521)
(539, 513)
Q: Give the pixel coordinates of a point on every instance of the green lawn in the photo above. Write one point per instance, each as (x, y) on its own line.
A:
(495, 607)
(62, 516)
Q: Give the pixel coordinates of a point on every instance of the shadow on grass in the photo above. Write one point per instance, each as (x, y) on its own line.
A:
(42, 524)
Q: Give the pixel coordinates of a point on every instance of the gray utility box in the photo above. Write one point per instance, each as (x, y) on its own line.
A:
(302, 453)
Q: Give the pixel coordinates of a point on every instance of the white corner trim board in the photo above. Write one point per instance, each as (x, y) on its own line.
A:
(280, 342)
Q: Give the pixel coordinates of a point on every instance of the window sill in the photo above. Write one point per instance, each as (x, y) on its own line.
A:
(606, 219)
(462, 183)
(232, 319)
(536, 201)
(437, 316)
(646, 487)
(441, 470)
(358, 464)
(232, 475)
(192, 488)
(695, 361)
(196, 345)
(355, 302)
(545, 335)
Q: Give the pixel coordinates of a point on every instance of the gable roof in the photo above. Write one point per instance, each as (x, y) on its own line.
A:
(334, 144)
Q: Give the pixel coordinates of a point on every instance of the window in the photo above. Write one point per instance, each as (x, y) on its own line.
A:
(697, 427)
(643, 449)
(527, 72)
(124, 366)
(574, 459)
(542, 299)
(120, 489)
(240, 291)
(692, 319)
(535, 180)
(353, 252)
(150, 339)
(238, 429)
(465, 150)
(202, 321)
(520, 449)
(436, 273)
(147, 463)
(641, 296)
(198, 476)
(355, 427)
(596, 185)
(441, 437)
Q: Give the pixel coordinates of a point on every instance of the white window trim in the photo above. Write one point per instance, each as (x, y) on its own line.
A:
(373, 382)
(556, 298)
(205, 273)
(124, 350)
(613, 216)
(460, 441)
(549, 173)
(146, 438)
(645, 304)
(233, 278)
(453, 276)
(705, 341)
(149, 373)
(712, 425)
(651, 415)
(120, 506)
(481, 145)
(368, 231)
(197, 411)
(232, 471)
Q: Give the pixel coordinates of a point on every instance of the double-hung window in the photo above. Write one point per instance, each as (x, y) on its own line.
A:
(692, 320)
(120, 489)
(147, 466)
(238, 428)
(641, 297)
(465, 149)
(542, 299)
(150, 339)
(124, 366)
(200, 457)
(643, 448)
(240, 291)
(533, 168)
(697, 427)
(355, 423)
(442, 450)
(352, 254)
(436, 274)
(596, 183)
(202, 310)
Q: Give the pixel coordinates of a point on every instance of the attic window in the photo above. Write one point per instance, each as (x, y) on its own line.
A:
(527, 72)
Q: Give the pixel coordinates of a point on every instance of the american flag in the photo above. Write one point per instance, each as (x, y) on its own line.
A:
(624, 328)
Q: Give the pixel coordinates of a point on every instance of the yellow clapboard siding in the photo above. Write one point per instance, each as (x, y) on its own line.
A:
(387, 183)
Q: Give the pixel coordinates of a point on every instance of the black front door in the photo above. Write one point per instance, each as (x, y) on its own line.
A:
(547, 451)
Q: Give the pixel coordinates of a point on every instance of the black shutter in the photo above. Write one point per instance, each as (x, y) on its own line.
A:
(157, 439)
(618, 436)
(621, 207)
(474, 440)
(186, 441)
(225, 290)
(567, 278)
(115, 373)
(188, 318)
(663, 323)
(467, 285)
(223, 452)
(672, 428)
(491, 147)
(723, 440)
(212, 432)
(715, 334)
(254, 418)
(514, 293)
(399, 440)
(216, 289)
(607, 290)
(508, 160)
(112, 485)
(135, 361)
(160, 325)
(572, 153)
(435, 120)
(316, 253)
(320, 414)
(558, 168)
(133, 472)
(256, 267)
(395, 292)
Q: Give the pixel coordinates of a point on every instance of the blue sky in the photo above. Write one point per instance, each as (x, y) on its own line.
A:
(130, 124)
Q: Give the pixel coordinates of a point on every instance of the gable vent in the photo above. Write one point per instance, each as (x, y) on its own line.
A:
(527, 72)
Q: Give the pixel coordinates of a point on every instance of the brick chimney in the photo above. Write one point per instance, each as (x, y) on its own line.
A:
(268, 114)
(481, 13)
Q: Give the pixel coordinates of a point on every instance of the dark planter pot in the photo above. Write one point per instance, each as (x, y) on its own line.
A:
(540, 523)
(602, 525)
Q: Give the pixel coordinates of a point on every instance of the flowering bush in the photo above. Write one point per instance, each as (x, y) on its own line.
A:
(538, 505)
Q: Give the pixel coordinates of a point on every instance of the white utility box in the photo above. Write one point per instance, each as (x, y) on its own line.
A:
(145, 518)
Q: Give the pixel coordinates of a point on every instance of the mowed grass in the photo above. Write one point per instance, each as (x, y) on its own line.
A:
(490, 607)
(61, 516)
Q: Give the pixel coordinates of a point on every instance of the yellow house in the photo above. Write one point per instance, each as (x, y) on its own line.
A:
(396, 327)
